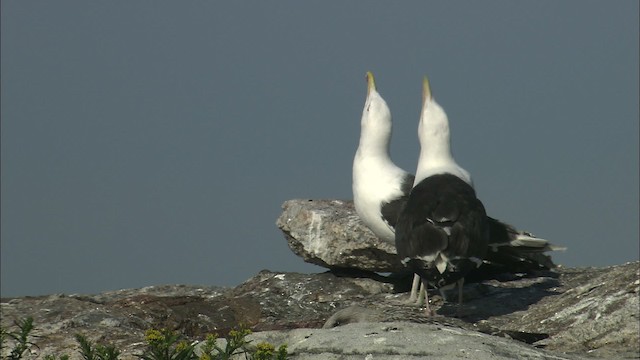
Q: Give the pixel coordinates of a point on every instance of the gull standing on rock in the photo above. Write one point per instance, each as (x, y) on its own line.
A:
(443, 232)
(380, 190)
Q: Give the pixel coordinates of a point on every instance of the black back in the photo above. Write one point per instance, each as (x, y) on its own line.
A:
(442, 216)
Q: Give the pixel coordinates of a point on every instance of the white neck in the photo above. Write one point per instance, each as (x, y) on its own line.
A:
(375, 127)
(435, 145)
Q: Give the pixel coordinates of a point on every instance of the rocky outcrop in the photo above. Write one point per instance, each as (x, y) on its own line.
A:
(351, 312)
(566, 313)
(329, 233)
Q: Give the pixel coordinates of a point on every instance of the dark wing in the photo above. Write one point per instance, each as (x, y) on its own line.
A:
(503, 257)
(442, 216)
(501, 233)
(391, 209)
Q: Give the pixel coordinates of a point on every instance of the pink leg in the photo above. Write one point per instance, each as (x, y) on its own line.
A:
(415, 289)
(427, 308)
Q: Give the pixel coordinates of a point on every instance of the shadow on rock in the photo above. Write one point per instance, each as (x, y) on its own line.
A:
(495, 298)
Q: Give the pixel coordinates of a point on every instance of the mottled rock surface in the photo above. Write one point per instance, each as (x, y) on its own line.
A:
(402, 341)
(329, 233)
(567, 313)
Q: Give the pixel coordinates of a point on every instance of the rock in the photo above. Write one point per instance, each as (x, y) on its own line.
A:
(587, 310)
(568, 313)
(329, 233)
(291, 300)
(353, 314)
(400, 340)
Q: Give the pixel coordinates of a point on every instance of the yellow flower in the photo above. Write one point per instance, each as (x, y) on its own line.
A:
(153, 335)
(265, 347)
(182, 345)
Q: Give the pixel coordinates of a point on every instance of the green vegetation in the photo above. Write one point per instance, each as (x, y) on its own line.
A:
(90, 351)
(160, 345)
(237, 344)
(20, 338)
(166, 345)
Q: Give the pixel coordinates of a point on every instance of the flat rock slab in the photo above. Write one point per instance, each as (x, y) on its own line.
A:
(400, 340)
(329, 233)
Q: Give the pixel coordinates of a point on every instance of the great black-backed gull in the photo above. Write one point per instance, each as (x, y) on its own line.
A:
(380, 190)
(442, 233)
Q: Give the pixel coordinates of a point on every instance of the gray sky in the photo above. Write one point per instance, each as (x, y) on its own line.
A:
(147, 143)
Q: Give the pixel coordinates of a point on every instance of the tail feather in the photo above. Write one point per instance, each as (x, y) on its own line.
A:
(511, 250)
(527, 242)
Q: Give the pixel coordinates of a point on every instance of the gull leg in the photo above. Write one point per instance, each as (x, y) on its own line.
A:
(415, 288)
(442, 293)
(427, 309)
(422, 294)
